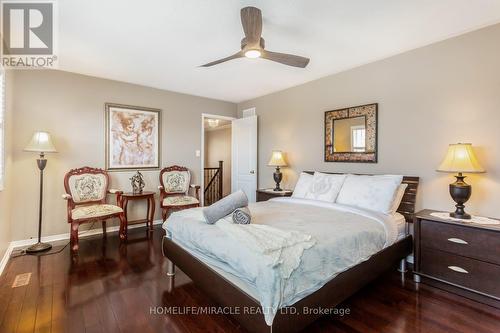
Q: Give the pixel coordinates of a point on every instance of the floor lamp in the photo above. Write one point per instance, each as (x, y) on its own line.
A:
(40, 143)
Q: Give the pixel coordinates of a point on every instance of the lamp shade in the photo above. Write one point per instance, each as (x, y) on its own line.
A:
(460, 158)
(41, 142)
(277, 159)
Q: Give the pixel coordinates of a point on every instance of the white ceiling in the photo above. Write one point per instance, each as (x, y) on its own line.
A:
(161, 43)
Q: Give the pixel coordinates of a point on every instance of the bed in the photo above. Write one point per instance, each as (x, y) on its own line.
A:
(234, 275)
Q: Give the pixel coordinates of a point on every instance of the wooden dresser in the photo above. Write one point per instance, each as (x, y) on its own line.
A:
(460, 257)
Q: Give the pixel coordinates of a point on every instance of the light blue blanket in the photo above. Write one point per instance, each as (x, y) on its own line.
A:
(343, 237)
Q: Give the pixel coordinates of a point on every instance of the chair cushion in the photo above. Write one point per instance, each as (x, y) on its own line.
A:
(180, 200)
(88, 187)
(91, 211)
(176, 181)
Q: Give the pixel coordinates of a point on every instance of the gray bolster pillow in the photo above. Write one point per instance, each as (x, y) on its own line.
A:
(242, 216)
(225, 206)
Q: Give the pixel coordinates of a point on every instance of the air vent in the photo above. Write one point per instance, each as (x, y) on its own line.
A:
(21, 280)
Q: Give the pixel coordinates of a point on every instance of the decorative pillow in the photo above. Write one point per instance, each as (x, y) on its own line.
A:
(88, 187)
(176, 181)
(302, 186)
(398, 197)
(370, 192)
(325, 187)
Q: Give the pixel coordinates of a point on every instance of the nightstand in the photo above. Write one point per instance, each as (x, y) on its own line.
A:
(460, 257)
(268, 193)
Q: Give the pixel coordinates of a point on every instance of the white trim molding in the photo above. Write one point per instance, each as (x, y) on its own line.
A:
(54, 238)
(202, 149)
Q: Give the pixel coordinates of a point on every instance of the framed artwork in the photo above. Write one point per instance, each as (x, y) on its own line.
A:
(132, 137)
(351, 134)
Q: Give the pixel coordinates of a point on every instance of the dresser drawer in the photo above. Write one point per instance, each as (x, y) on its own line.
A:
(465, 241)
(470, 273)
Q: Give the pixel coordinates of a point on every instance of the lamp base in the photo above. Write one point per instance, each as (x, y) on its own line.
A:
(463, 216)
(278, 176)
(460, 191)
(38, 247)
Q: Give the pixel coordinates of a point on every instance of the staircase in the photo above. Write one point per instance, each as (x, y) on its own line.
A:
(213, 184)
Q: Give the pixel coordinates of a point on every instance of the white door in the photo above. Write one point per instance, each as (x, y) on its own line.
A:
(244, 156)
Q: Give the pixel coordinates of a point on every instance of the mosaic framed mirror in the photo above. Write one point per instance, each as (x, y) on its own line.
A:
(351, 134)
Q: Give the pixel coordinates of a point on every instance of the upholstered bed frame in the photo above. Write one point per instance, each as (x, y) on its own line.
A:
(297, 317)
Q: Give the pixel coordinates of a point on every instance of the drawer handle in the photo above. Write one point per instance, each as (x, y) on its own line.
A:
(458, 269)
(457, 240)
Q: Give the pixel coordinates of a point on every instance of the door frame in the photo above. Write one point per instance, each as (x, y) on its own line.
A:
(202, 151)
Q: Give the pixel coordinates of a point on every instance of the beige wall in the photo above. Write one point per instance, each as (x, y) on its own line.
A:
(71, 107)
(6, 194)
(444, 93)
(218, 148)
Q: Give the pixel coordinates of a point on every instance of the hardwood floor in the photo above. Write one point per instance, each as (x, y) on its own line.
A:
(113, 288)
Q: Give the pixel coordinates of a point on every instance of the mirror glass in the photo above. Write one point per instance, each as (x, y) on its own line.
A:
(349, 135)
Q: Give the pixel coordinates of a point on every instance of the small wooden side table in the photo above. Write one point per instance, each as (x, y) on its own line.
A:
(150, 197)
(265, 194)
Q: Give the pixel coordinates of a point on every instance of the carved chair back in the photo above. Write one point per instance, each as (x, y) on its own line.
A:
(87, 185)
(175, 180)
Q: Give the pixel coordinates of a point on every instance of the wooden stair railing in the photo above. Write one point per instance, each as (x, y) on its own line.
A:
(213, 184)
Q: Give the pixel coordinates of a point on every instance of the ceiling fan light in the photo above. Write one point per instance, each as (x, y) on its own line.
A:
(253, 54)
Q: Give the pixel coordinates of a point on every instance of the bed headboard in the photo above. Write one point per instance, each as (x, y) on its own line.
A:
(407, 206)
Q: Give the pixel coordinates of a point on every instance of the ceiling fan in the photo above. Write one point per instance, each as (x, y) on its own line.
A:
(253, 46)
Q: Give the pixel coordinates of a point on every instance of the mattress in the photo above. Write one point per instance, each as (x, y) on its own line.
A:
(249, 288)
(343, 237)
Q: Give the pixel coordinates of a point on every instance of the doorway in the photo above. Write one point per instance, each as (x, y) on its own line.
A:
(216, 143)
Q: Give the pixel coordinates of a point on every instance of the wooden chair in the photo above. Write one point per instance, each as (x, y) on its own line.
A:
(86, 190)
(174, 190)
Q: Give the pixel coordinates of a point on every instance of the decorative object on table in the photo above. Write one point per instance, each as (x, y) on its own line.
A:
(41, 142)
(132, 137)
(351, 134)
(137, 182)
(277, 161)
(269, 193)
(175, 182)
(473, 219)
(86, 190)
(460, 158)
(150, 212)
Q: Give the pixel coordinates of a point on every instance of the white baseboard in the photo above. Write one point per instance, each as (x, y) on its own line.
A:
(54, 238)
(6, 257)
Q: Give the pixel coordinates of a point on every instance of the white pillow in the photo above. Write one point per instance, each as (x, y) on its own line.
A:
(302, 186)
(370, 192)
(325, 187)
(398, 197)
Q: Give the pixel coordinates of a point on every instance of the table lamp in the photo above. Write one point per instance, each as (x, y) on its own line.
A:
(40, 143)
(460, 158)
(277, 161)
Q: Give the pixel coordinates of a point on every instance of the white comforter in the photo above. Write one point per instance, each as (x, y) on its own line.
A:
(341, 237)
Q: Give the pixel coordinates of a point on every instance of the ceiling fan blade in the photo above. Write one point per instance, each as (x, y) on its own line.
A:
(234, 56)
(286, 59)
(251, 19)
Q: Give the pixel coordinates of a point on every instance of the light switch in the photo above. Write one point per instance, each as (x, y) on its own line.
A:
(197, 153)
